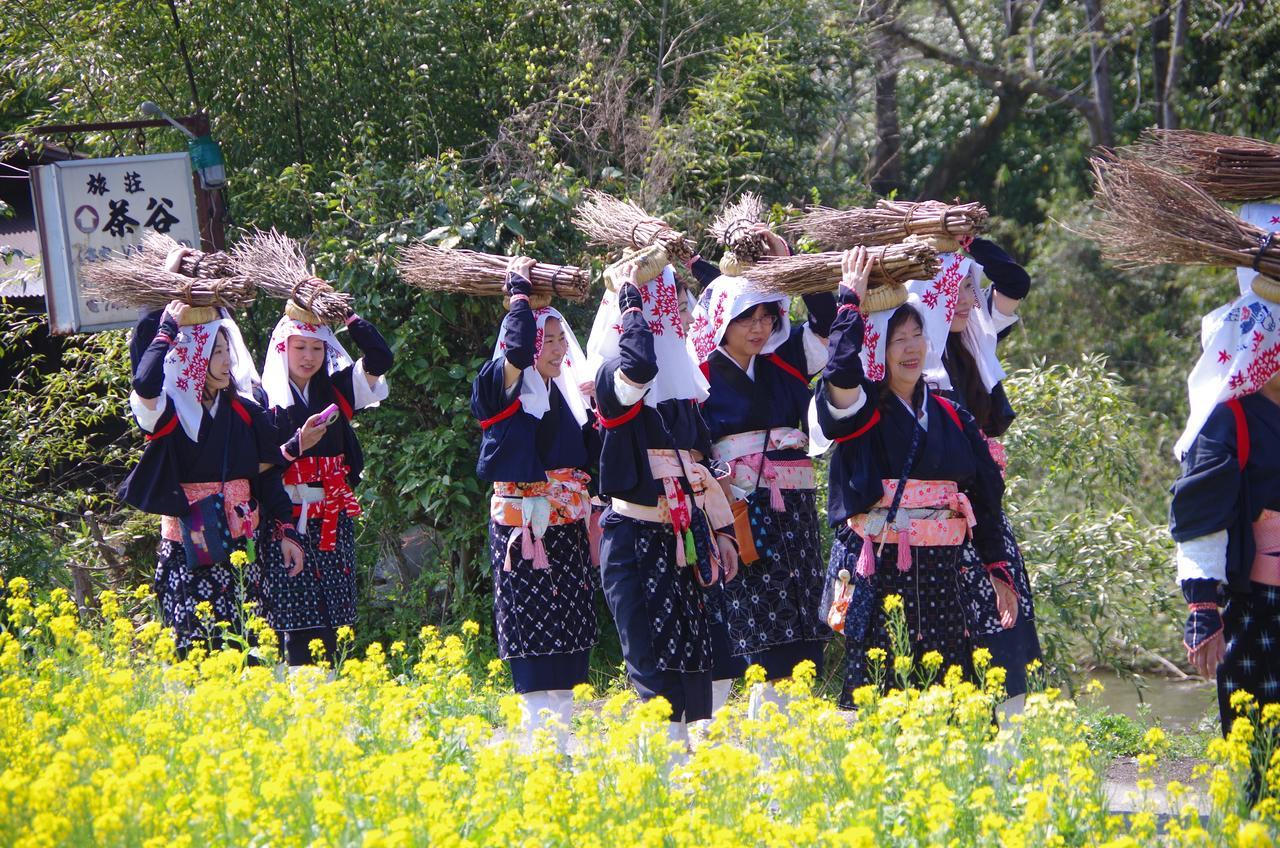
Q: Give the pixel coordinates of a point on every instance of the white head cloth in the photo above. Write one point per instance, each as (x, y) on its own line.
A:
(723, 300)
(275, 371)
(187, 362)
(874, 342)
(535, 396)
(938, 300)
(1266, 216)
(678, 378)
(1241, 343)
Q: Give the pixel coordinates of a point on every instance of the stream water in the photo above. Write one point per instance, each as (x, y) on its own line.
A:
(1174, 704)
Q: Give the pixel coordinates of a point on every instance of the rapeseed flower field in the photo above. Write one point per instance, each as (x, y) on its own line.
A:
(108, 738)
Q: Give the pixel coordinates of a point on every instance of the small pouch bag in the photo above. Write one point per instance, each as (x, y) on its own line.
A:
(206, 535)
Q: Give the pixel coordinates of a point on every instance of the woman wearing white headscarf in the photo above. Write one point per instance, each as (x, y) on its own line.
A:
(533, 449)
(965, 367)
(911, 480)
(759, 366)
(668, 529)
(210, 469)
(1225, 512)
(307, 370)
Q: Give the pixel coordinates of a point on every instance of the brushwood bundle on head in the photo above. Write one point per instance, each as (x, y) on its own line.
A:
(1151, 217)
(809, 273)
(467, 272)
(160, 270)
(278, 265)
(734, 229)
(610, 222)
(1228, 168)
(889, 221)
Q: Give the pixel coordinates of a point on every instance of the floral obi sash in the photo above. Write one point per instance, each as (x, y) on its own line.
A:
(242, 519)
(530, 508)
(674, 507)
(750, 465)
(1266, 556)
(333, 497)
(932, 513)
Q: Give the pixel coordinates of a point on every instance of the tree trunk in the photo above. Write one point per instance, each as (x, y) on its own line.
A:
(1177, 39)
(1102, 122)
(886, 160)
(1160, 58)
(971, 148)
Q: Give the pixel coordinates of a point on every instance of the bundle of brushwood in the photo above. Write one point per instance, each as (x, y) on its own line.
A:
(807, 273)
(610, 222)
(278, 265)
(1228, 168)
(890, 221)
(467, 272)
(160, 270)
(735, 230)
(1151, 217)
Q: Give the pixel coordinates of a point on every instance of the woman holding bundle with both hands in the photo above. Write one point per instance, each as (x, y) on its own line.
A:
(668, 530)
(911, 479)
(210, 469)
(533, 449)
(313, 389)
(758, 366)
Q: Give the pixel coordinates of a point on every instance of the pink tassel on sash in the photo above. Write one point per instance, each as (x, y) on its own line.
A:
(866, 559)
(904, 549)
(526, 542)
(775, 496)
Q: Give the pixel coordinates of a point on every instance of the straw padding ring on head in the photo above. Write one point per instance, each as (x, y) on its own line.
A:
(298, 312)
(1266, 288)
(885, 297)
(189, 316)
(732, 266)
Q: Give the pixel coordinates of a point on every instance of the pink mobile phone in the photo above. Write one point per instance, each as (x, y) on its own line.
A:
(329, 415)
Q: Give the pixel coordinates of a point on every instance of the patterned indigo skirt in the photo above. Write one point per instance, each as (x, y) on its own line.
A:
(774, 601)
(324, 594)
(547, 611)
(1251, 627)
(932, 605)
(657, 604)
(181, 587)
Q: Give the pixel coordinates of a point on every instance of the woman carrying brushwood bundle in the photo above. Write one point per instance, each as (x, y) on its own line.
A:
(759, 366)
(668, 530)
(1225, 512)
(313, 389)
(211, 469)
(911, 480)
(968, 372)
(533, 448)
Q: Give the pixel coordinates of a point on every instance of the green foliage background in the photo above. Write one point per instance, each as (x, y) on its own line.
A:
(359, 126)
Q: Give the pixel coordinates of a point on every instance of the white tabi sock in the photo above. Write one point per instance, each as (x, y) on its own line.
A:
(551, 710)
(720, 691)
(765, 693)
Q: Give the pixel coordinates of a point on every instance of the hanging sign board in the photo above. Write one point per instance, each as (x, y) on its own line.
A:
(88, 208)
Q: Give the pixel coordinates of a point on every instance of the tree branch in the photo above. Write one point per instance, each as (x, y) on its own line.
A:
(960, 28)
(1000, 78)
